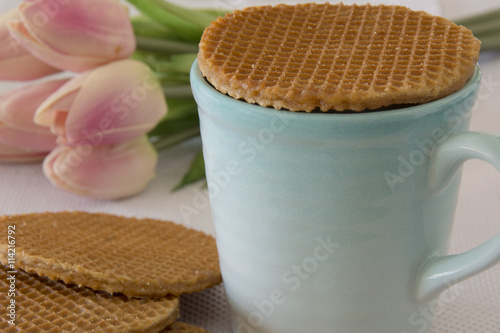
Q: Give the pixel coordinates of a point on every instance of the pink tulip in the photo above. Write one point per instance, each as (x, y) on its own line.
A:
(16, 63)
(14, 154)
(75, 35)
(103, 172)
(108, 105)
(17, 109)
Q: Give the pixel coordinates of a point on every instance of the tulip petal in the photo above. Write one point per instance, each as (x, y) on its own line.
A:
(117, 102)
(17, 64)
(50, 56)
(13, 154)
(24, 67)
(10, 47)
(103, 172)
(27, 140)
(18, 107)
(60, 101)
(74, 35)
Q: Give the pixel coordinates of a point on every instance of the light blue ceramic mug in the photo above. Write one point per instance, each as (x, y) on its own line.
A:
(339, 223)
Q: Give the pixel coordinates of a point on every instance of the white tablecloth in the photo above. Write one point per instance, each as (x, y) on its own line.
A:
(472, 306)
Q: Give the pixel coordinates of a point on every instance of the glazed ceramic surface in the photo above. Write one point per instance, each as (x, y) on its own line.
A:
(339, 223)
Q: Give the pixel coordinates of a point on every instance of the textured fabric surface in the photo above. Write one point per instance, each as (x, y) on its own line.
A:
(473, 306)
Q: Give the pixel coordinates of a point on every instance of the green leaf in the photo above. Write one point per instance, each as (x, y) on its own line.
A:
(175, 125)
(196, 172)
(180, 123)
(181, 107)
(164, 142)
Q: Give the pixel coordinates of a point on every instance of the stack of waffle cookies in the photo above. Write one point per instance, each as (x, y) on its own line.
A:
(82, 272)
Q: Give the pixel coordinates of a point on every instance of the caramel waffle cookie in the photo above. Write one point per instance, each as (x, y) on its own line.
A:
(38, 304)
(135, 257)
(180, 327)
(336, 57)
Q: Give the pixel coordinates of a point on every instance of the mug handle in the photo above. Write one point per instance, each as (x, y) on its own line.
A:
(441, 272)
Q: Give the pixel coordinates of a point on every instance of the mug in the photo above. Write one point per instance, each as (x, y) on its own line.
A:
(339, 222)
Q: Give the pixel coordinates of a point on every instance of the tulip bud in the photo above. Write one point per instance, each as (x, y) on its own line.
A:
(17, 64)
(75, 35)
(108, 105)
(13, 154)
(103, 172)
(17, 109)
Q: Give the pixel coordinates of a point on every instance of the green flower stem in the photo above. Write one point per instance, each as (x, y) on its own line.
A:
(165, 46)
(187, 30)
(172, 79)
(490, 42)
(178, 63)
(214, 12)
(471, 21)
(164, 64)
(172, 70)
(198, 18)
(180, 91)
(145, 27)
(486, 27)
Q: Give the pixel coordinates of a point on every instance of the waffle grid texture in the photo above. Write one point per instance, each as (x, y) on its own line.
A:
(44, 305)
(135, 257)
(336, 57)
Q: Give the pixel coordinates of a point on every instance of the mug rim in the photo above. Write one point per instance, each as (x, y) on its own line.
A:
(199, 82)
